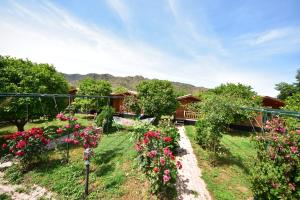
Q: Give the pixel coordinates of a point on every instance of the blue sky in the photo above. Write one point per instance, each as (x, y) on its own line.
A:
(202, 42)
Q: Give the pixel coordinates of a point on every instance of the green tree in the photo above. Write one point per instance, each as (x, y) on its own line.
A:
(91, 86)
(24, 76)
(234, 91)
(286, 89)
(120, 89)
(292, 103)
(157, 98)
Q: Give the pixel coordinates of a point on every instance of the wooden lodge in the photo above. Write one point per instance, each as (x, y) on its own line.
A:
(118, 99)
(182, 112)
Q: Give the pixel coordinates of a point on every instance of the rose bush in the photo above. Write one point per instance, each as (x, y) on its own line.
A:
(276, 172)
(157, 161)
(27, 146)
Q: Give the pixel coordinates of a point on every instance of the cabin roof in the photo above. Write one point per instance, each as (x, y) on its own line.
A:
(128, 93)
(272, 102)
(188, 96)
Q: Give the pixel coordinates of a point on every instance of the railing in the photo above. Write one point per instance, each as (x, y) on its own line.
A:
(191, 115)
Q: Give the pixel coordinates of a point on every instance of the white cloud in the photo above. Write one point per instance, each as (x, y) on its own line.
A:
(47, 33)
(121, 9)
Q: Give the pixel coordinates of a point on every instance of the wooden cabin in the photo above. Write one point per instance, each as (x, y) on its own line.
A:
(117, 101)
(182, 112)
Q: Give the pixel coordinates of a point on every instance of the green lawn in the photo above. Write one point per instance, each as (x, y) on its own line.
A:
(113, 172)
(228, 180)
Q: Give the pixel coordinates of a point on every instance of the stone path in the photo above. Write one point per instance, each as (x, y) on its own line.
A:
(190, 185)
(22, 192)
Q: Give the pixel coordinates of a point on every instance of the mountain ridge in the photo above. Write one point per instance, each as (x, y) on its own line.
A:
(130, 82)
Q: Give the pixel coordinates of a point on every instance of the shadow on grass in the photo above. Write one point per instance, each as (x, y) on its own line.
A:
(103, 160)
(229, 159)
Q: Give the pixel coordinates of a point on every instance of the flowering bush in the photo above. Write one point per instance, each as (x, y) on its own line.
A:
(88, 137)
(158, 162)
(27, 146)
(276, 173)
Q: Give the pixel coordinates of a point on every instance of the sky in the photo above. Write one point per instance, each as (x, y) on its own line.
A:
(201, 42)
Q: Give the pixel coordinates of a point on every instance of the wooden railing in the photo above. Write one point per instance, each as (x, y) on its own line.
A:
(191, 115)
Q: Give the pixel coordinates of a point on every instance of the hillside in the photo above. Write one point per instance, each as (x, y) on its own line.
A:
(130, 82)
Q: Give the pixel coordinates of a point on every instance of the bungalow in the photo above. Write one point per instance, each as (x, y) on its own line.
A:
(117, 101)
(183, 113)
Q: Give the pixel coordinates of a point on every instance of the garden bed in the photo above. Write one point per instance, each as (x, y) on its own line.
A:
(113, 174)
(229, 179)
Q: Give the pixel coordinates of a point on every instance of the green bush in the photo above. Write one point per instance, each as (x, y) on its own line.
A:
(276, 171)
(105, 118)
(292, 103)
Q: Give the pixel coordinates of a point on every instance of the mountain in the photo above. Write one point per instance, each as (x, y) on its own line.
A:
(130, 82)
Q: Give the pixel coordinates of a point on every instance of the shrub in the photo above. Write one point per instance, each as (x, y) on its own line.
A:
(105, 118)
(156, 159)
(292, 103)
(27, 146)
(276, 171)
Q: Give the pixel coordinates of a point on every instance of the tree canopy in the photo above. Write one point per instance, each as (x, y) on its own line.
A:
(286, 89)
(157, 98)
(91, 86)
(24, 76)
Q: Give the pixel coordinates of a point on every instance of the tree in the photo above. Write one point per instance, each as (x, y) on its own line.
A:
(157, 98)
(24, 76)
(235, 90)
(292, 103)
(120, 89)
(286, 89)
(91, 86)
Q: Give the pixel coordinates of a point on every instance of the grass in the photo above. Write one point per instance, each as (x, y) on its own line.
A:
(228, 180)
(113, 173)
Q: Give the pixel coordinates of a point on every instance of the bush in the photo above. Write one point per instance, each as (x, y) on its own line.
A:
(105, 118)
(292, 103)
(27, 146)
(276, 171)
(156, 159)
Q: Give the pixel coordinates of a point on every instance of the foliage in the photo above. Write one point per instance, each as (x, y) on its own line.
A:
(27, 146)
(120, 89)
(158, 162)
(276, 172)
(131, 104)
(170, 131)
(139, 129)
(292, 103)
(232, 90)
(105, 118)
(157, 98)
(219, 108)
(286, 89)
(91, 86)
(24, 76)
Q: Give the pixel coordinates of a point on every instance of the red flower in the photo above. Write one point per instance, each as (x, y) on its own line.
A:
(162, 161)
(168, 139)
(20, 153)
(21, 144)
(4, 145)
(298, 131)
(178, 165)
(59, 131)
(138, 147)
(152, 153)
(146, 141)
(155, 170)
(68, 126)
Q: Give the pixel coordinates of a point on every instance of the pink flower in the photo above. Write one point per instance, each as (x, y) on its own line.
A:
(4, 145)
(162, 161)
(178, 165)
(68, 126)
(77, 126)
(294, 149)
(21, 144)
(152, 153)
(298, 131)
(138, 147)
(167, 172)
(59, 131)
(166, 178)
(167, 139)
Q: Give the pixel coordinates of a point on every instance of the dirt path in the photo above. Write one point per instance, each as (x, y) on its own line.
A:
(189, 185)
(22, 192)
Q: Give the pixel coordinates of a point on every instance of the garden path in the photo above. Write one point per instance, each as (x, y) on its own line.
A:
(190, 185)
(22, 192)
